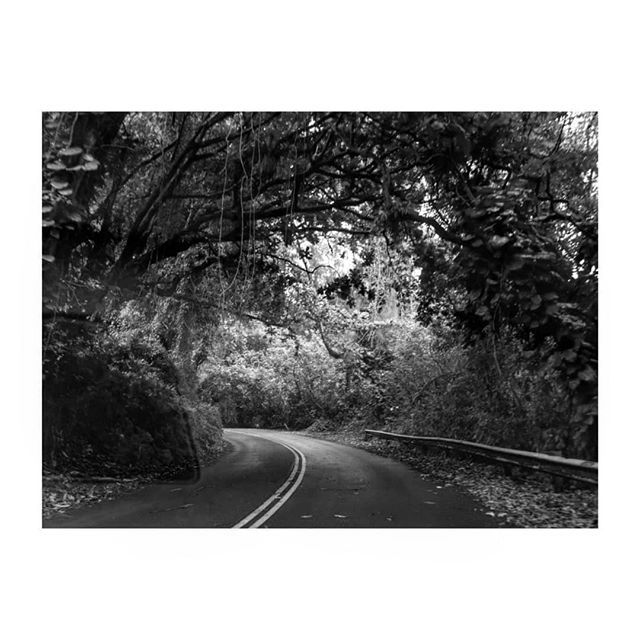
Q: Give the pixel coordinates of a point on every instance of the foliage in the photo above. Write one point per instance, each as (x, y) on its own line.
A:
(425, 383)
(280, 260)
(486, 392)
(115, 408)
(268, 380)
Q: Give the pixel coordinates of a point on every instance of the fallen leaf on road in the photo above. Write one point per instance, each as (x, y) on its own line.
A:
(308, 516)
(182, 506)
(429, 502)
(338, 515)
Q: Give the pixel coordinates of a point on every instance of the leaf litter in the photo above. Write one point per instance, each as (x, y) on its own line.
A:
(523, 500)
(64, 492)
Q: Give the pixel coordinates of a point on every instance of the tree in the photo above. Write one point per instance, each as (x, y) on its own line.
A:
(502, 206)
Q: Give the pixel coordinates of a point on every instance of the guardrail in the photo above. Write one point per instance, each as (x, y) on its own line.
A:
(583, 470)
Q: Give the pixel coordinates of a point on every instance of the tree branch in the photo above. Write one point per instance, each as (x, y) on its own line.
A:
(436, 226)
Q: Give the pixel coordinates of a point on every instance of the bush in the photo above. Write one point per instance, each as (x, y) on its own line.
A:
(114, 408)
(492, 391)
(409, 379)
(273, 384)
(206, 425)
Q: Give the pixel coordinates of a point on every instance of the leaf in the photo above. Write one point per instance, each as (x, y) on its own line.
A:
(498, 241)
(59, 183)
(91, 166)
(48, 258)
(48, 223)
(544, 256)
(70, 151)
(66, 192)
(56, 166)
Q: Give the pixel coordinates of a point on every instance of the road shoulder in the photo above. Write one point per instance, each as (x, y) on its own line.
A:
(519, 501)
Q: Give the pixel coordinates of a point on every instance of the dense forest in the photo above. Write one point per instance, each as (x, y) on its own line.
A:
(428, 273)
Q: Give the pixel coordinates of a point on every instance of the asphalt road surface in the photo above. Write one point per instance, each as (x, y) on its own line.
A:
(277, 479)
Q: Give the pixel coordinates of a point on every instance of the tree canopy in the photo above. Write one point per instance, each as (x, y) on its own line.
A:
(489, 219)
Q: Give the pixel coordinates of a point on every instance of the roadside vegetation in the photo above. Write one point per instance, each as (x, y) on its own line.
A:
(433, 274)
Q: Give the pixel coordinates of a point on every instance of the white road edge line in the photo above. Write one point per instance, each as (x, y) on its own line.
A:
(291, 483)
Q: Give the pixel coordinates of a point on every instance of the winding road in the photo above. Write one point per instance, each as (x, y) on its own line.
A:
(277, 479)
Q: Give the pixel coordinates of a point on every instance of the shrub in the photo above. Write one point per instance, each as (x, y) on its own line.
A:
(116, 408)
(491, 391)
(407, 378)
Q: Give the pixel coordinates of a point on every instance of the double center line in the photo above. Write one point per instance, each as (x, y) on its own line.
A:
(277, 500)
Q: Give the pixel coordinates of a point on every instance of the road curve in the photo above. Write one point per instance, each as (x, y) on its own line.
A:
(277, 479)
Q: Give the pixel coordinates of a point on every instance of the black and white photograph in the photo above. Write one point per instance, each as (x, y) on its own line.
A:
(357, 278)
(320, 319)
